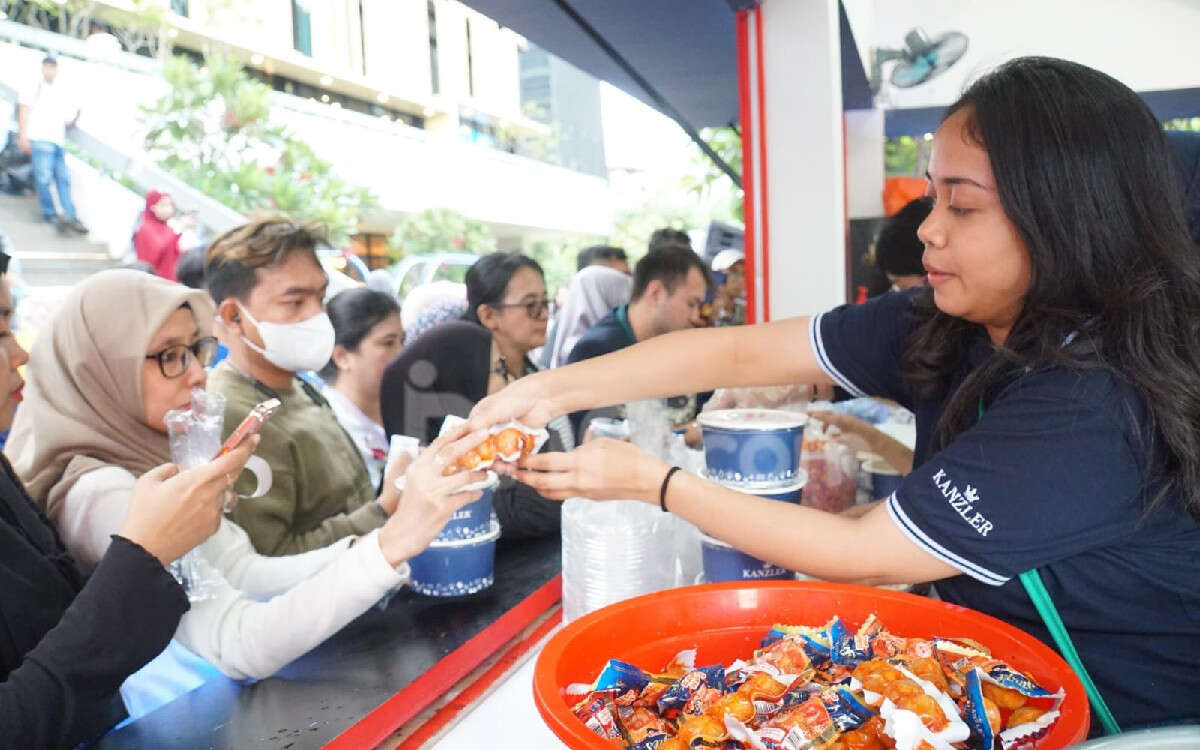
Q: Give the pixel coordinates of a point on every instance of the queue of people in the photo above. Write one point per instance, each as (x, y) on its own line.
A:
(1053, 368)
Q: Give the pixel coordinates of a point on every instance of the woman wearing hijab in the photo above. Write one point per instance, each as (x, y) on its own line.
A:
(100, 385)
(66, 644)
(430, 305)
(156, 243)
(456, 364)
(593, 293)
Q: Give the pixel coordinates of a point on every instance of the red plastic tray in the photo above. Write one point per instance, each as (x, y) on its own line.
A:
(726, 621)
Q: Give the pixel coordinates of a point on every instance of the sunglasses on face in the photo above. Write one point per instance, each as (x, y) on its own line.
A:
(175, 360)
(534, 308)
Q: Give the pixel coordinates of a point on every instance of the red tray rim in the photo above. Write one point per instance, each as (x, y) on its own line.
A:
(573, 733)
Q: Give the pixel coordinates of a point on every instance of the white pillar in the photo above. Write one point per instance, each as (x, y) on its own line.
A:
(864, 163)
(804, 166)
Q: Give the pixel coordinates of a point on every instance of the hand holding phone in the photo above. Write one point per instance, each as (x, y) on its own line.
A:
(250, 425)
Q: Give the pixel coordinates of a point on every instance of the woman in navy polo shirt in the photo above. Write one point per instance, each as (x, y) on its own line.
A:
(1054, 368)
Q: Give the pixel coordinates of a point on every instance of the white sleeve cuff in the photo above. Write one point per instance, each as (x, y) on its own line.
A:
(818, 347)
(928, 545)
(376, 566)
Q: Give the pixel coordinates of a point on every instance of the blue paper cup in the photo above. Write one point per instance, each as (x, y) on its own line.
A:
(456, 568)
(473, 519)
(724, 563)
(788, 493)
(884, 479)
(752, 448)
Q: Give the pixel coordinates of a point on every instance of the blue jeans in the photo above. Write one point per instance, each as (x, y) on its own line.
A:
(49, 162)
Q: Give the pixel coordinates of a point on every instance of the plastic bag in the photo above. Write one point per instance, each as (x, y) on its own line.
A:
(786, 397)
(195, 437)
(831, 466)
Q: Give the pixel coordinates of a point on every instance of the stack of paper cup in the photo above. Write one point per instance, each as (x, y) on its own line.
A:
(755, 451)
(460, 560)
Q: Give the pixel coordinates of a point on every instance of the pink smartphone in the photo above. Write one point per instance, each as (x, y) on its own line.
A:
(250, 425)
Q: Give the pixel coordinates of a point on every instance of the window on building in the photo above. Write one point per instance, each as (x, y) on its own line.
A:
(179, 7)
(470, 63)
(434, 80)
(361, 18)
(302, 27)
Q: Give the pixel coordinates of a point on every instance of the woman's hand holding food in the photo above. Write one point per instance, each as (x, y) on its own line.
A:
(524, 400)
(602, 469)
(429, 498)
(172, 511)
(389, 496)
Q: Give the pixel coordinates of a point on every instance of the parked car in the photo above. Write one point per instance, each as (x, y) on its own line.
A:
(341, 270)
(416, 270)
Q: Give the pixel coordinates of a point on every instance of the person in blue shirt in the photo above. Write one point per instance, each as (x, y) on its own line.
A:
(669, 287)
(1054, 369)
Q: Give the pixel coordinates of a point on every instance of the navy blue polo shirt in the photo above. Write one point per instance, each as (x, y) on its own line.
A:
(1051, 477)
(613, 333)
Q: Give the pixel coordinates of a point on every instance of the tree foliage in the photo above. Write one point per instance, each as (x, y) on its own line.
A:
(212, 129)
(440, 230)
(708, 182)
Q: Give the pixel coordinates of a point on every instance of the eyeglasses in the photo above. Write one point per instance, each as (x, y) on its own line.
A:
(533, 308)
(175, 360)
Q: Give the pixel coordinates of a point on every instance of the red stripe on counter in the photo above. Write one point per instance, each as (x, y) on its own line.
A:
(410, 701)
(479, 687)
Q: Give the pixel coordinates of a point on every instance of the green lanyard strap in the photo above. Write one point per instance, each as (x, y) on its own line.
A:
(1032, 581)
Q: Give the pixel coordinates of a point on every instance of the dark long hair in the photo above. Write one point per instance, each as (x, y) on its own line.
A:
(1083, 172)
(354, 313)
(488, 278)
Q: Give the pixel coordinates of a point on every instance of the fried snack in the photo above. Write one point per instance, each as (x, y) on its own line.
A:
(1023, 715)
(786, 655)
(869, 736)
(508, 442)
(916, 694)
(1006, 698)
(704, 728)
(737, 705)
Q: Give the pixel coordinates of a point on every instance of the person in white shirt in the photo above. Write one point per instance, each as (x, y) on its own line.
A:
(99, 385)
(101, 44)
(44, 112)
(367, 336)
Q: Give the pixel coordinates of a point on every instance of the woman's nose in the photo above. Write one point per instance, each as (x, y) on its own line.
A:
(17, 355)
(196, 375)
(930, 232)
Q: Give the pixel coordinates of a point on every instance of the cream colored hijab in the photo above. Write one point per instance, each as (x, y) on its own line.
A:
(83, 404)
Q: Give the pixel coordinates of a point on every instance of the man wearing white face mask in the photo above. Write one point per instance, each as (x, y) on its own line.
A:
(270, 290)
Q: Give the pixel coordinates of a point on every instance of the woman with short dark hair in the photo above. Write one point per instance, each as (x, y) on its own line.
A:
(367, 336)
(454, 365)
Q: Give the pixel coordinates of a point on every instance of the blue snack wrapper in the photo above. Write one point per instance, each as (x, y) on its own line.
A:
(816, 642)
(621, 677)
(974, 713)
(852, 649)
(677, 697)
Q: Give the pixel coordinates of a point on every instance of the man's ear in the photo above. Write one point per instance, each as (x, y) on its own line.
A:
(230, 316)
(656, 292)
